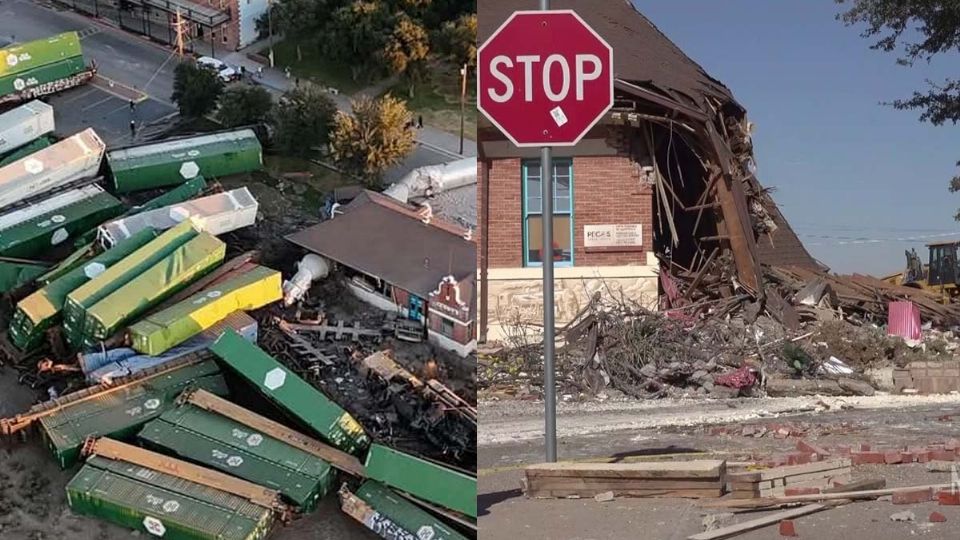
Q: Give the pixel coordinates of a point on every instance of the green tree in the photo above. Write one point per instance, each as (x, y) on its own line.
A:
(302, 120)
(457, 40)
(917, 30)
(374, 138)
(356, 35)
(243, 105)
(196, 89)
(405, 53)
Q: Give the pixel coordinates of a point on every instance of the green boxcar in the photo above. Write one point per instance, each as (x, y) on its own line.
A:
(10, 84)
(216, 441)
(119, 274)
(424, 479)
(186, 191)
(392, 513)
(13, 275)
(162, 505)
(292, 393)
(26, 150)
(41, 310)
(121, 414)
(33, 54)
(35, 236)
(167, 277)
(175, 161)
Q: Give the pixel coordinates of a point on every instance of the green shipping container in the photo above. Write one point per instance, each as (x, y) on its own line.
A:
(119, 274)
(216, 441)
(292, 393)
(33, 54)
(162, 505)
(35, 236)
(390, 513)
(121, 414)
(175, 161)
(186, 191)
(26, 150)
(11, 84)
(250, 290)
(424, 479)
(13, 275)
(162, 280)
(39, 311)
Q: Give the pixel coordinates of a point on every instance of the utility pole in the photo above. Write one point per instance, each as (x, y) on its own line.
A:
(463, 99)
(179, 27)
(270, 28)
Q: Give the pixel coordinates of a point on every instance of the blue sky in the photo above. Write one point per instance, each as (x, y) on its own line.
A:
(843, 165)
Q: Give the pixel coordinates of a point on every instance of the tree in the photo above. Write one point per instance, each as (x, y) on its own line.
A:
(374, 138)
(244, 105)
(302, 120)
(356, 35)
(457, 40)
(196, 89)
(921, 29)
(406, 51)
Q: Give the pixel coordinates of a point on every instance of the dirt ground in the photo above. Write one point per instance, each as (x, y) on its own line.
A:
(692, 429)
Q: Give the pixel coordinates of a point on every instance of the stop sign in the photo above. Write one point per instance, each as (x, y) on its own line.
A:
(544, 78)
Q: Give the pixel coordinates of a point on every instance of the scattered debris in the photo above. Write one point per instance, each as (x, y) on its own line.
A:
(606, 496)
(906, 515)
(693, 479)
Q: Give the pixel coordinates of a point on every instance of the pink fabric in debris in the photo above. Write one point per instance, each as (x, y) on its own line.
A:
(741, 378)
(903, 319)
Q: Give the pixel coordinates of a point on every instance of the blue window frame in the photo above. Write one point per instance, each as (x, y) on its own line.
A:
(562, 213)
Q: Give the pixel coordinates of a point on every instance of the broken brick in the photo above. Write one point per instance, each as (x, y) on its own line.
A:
(789, 492)
(891, 457)
(923, 457)
(811, 448)
(844, 449)
(860, 458)
(913, 496)
(943, 455)
(948, 498)
(864, 447)
(787, 528)
(907, 457)
(937, 517)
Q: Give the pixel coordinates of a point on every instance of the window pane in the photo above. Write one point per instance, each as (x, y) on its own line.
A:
(533, 170)
(561, 169)
(561, 205)
(534, 206)
(533, 194)
(561, 187)
(562, 240)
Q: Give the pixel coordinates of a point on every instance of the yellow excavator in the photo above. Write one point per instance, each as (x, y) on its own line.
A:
(941, 275)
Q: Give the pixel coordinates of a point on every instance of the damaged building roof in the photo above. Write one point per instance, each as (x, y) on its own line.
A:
(647, 59)
(387, 239)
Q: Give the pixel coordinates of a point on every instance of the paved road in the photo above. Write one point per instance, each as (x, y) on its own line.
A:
(505, 513)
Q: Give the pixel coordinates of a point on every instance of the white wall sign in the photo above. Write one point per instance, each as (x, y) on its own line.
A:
(628, 235)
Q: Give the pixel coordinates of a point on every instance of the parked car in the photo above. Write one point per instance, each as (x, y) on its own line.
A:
(225, 72)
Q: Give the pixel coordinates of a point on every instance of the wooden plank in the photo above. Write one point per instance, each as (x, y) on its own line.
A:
(753, 524)
(567, 482)
(673, 469)
(789, 470)
(118, 451)
(672, 493)
(853, 495)
(859, 485)
(339, 459)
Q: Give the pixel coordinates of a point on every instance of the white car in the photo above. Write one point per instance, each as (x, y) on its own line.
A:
(225, 72)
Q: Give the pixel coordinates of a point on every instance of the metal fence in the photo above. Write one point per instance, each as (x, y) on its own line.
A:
(156, 24)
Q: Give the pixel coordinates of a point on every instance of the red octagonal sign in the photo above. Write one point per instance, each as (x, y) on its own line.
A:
(544, 78)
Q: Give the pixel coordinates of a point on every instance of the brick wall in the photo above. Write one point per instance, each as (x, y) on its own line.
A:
(461, 332)
(606, 189)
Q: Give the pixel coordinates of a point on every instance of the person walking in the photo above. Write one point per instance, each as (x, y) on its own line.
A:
(133, 105)
(259, 72)
(286, 71)
(133, 129)
(420, 121)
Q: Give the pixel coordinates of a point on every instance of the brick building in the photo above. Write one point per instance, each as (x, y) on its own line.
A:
(663, 183)
(403, 259)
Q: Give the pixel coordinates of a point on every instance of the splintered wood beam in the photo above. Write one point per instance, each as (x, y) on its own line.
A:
(700, 274)
(733, 203)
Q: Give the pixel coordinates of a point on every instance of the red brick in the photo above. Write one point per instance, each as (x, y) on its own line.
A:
(937, 517)
(923, 457)
(811, 448)
(943, 455)
(843, 449)
(860, 458)
(891, 457)
(907, 457)
(913, 496)
(864, 447)
(787, 528)
(789, 492)
(948, 498)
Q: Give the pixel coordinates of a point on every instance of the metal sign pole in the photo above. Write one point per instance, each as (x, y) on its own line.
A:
(549, 385)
